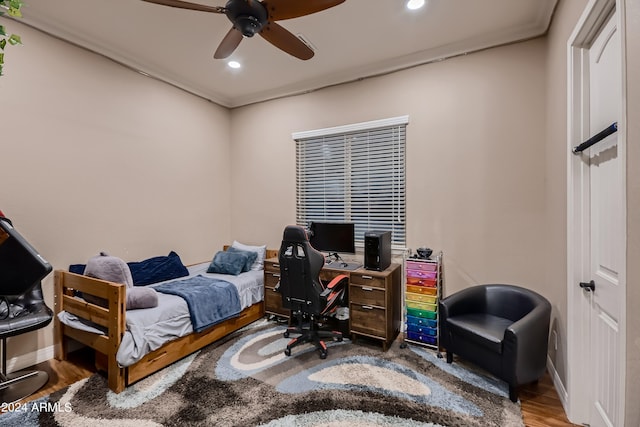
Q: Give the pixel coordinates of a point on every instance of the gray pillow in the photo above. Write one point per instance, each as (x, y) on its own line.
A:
(141, 297)
(251, 257)
(113, 269)
(225, 262)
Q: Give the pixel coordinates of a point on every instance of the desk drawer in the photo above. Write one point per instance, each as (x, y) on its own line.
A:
(367, 295)
(273, 302)
(271, 266)
(368, 319)
(271, 279)
(368, 280)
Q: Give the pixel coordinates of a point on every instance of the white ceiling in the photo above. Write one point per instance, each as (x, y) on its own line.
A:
(356, 39)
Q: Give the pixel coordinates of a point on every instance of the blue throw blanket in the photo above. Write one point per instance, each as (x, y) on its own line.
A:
(210, 301)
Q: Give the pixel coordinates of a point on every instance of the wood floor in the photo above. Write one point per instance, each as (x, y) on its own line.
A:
(541, 406)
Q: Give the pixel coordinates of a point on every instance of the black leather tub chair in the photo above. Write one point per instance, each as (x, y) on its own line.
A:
(503, 329)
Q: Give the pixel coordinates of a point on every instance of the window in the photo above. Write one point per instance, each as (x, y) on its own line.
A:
(354, 173)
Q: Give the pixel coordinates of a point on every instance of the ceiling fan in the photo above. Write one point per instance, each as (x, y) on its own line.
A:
(250, 17)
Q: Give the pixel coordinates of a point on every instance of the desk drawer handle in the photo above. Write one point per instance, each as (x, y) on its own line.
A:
(276, 265)
(367, 288)
(368, 277)
(367, 307)
(275, 274)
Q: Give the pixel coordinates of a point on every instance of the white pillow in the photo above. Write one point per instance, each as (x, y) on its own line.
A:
(260, 250)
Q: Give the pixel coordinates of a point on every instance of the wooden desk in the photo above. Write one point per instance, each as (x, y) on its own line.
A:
(375, 309)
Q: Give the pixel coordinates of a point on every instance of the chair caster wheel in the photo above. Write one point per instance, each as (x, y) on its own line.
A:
(403, 345)
(340, 339)
(286, 334)
(287, 352)
(323, 355)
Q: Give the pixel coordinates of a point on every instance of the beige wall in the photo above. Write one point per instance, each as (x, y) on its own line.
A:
(475, 159)
(96, 157)
(554, 260)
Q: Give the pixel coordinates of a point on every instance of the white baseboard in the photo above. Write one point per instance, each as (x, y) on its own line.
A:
(29, 359)
(557, 383)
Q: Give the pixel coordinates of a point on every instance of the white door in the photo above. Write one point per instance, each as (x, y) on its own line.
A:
(607, 229)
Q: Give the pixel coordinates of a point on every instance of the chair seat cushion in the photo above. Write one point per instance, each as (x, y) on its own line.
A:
(483, 329)
(19, 319)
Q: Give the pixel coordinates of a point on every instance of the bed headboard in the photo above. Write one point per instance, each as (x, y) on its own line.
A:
(271, 253)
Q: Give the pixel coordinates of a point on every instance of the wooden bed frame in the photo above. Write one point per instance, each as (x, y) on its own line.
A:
(113, 319)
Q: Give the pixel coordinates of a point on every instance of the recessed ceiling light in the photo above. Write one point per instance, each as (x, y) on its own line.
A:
(234, 64)
(415, 4)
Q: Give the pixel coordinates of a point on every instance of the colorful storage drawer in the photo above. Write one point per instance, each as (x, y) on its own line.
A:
(431, 299)
(421, 274)
(424, 330)
(426, 314)
(426, 266)
(422, 305)
(422, 290)
(427, 339)
(431, 323)
(425, 290)
(415, 281)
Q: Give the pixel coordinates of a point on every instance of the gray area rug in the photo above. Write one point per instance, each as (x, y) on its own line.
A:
(246, 380)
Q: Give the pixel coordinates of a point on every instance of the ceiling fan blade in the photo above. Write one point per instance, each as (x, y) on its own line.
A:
(286, 41)
(228, 44)
(186, 5)
(287, 9)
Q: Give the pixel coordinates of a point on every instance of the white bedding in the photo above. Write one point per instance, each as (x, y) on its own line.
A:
(148, 329)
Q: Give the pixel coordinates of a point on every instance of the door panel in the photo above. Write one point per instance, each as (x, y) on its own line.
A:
(607, 232)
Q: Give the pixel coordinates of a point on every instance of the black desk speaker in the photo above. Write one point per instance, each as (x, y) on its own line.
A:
(377, 250)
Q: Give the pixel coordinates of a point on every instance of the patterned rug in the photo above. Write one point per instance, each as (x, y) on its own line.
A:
(246, 380)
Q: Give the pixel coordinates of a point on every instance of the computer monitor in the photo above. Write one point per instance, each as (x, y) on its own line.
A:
(21, 266)
(338, 237)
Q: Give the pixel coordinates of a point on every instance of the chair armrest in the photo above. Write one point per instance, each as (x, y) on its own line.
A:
(334, 292)
(336, 281)
(526, 341)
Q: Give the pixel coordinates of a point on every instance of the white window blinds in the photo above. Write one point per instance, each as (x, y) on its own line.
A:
(354, 173)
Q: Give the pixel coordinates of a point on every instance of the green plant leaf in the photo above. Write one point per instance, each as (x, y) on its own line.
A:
(15, 39)
(1, 58)
(3, 43)
(15, 12)
(2, 33)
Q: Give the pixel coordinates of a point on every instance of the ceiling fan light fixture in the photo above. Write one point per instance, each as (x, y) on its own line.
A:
(415, 4)
(248, 25)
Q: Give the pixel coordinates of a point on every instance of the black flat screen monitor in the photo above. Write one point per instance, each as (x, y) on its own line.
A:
(332, 236)
(21, 266)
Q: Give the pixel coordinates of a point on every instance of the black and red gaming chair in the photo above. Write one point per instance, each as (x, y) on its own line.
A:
(304, 293)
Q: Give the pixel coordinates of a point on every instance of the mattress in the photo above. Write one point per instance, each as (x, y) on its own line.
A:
(148, 329)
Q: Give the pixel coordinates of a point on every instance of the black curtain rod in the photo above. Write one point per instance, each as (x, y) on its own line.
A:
(596, 138)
